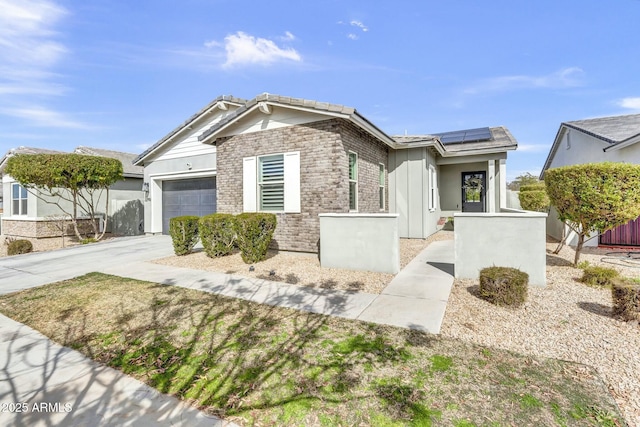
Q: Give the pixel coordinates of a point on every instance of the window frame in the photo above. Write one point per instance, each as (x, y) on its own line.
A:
(22, 200)
(382, 176)
(261, 183)
(353, 181)
(433, 187)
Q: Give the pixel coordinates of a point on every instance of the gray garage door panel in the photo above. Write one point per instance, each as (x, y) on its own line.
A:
(187, 197)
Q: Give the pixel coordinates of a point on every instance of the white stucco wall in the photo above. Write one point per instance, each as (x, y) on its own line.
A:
(367, 242)
(507, 239)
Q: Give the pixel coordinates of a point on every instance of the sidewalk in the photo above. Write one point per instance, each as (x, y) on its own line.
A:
(34, 370)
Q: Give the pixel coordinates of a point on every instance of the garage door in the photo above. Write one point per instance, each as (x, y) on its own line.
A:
(187, 197)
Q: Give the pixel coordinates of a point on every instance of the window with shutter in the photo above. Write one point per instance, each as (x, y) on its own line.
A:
(271, 182)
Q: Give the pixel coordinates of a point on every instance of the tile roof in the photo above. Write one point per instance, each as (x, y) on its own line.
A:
(126, 158)
(612, 129)
(293, 102)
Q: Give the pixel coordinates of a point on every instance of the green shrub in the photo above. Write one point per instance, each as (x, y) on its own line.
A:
(217, 234)
(598, 276)
(184, 233)
(534, 200)
(625, 294)
(504, 286)
(254, 232)
(88, 240)
(532, 187)
(20, 246)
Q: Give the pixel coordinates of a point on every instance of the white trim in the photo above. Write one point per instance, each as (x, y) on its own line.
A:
(433, 189)
(382, 186)
(491, 184)
(502, 168)
(181, 174)
(360, 215)
(292, 182)
(352, 180)
(250, 184)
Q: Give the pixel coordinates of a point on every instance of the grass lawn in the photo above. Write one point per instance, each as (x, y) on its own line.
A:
(256, 364)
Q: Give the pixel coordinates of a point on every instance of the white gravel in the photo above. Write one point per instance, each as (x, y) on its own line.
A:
(565, 320)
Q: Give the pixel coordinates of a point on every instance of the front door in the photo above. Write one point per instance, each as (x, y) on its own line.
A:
(473, 191)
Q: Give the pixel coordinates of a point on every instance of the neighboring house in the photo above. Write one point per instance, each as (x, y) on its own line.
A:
(299, 158)
(27, 215)
(605, 139)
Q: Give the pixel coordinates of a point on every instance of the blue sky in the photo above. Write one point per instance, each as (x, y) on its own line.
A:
(122, 74)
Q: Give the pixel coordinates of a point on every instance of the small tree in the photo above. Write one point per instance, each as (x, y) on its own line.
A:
(595, 197)
(521, 180)
(63, 179)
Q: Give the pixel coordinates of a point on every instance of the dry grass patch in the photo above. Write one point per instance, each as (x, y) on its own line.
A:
(257, 364)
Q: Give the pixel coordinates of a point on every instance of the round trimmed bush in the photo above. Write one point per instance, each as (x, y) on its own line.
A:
(625, 294)
(20, 246)
(504, 286)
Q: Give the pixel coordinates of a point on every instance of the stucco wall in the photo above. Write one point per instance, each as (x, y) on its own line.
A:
(409, 192)
(324, 178)
(451, 183)
(367, 242)
(500, 239)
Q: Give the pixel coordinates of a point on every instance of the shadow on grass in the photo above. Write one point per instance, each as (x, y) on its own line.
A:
(228, 356)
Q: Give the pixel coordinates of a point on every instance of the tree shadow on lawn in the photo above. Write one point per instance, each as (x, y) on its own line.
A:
(229, 356)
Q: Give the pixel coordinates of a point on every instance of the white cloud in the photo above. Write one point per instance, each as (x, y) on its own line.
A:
(28, 45)
(563, 78)
(359, 24)
(244, 49)
(288, 36)
(352, 36)
(630, 103)
(42, 116)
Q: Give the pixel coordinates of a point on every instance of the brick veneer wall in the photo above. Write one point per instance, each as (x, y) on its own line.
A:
(324, 174)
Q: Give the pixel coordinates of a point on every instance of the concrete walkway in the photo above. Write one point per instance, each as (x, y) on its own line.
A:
(34, 369)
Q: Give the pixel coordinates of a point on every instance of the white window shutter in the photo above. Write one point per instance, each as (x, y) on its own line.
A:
(435, 188)
(249, 185)
(292, 182)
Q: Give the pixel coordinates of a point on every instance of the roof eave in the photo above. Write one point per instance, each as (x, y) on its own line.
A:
(622, 144)
(186, 125)
(554, 148)
(476, 151)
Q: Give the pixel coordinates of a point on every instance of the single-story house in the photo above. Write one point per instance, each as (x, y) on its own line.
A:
(300, 158)
(30, 216)
(604, 139)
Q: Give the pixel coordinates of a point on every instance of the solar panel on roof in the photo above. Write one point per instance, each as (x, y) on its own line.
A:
(468, 135)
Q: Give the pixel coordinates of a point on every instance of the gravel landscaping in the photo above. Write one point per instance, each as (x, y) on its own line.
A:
(566, 320)
(304, 269)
